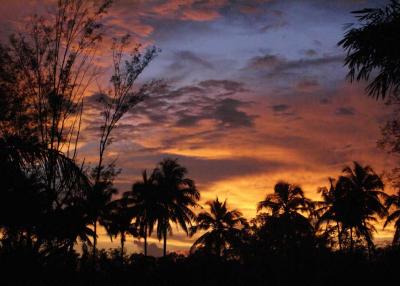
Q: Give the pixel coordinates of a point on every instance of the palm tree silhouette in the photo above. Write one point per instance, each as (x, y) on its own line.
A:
(98, 205)
(287, 199)
(331, 209)
(144, 206)
(372, 49)
(394, 201)
(360, 192)
(176, 195)
(46, 211)
(285, 226)
(119, 221)
(223, 228)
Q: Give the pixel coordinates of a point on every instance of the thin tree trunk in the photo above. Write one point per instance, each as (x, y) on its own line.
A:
(339, 236)
(369, 250)
(351, 239)
(95, 238)
(145, 241)
(122, 246)
(165, 240)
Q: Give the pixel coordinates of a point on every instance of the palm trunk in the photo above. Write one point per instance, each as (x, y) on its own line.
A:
(95, 238)
(351, 239)
(339, 237)
(165, 240)
(122, 246)
(145, 241)
(369, 250)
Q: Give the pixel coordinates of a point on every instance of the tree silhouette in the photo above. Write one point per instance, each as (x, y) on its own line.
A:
(372, 49)
(144, 205)
(285, 227)
(99, 198)
(119, 222)
(223, 228)
(332, 210)
(27, 194)
(287, 199)
(361, 189)
(116, 101)
(176, 195)
(394, 216)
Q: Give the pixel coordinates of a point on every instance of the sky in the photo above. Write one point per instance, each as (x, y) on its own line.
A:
(256, 93)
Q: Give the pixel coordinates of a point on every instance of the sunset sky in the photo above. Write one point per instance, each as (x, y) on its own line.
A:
(256, 93)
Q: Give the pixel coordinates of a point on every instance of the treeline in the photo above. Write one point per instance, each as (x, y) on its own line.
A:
(292, 239)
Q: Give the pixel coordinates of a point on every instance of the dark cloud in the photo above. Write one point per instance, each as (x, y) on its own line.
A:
(185, 63)
(190, 58)
(186, 120)
(228, 85)
(284, 110)
(207, 170)
(188, 105)
(310, 53)
(345, 111)
(96, 100)
(228, 114)
(307, 84)
(325, 101)
(280, 107)
(265, 62)
(270, 27)
(213, 170)
(311, 63)
(276, 64)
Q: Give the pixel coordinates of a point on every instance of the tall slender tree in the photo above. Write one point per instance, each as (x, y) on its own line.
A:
(119, 222)
(331, 210)
(116, 101)
(177, 195)
(144, 206)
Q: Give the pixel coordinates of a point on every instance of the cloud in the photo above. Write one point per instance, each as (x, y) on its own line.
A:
(345, 111)
(280, 65)
(228, 114)
(189, 105)
(228, 85)
(225, 112)
(310, 53)
(265, 62)
(152, 248)
(280, 107)
(307, 85)
(190, 58)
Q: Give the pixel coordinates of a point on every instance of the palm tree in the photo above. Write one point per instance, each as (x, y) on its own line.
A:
(223, 227)
(394, 201)
(99, 198)
(119, 221)
(143, 204)
(331, 209)
(176, 195)
(285, 227)
(25, 183)
(372, 49)
(287, 199)
(361, 189)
